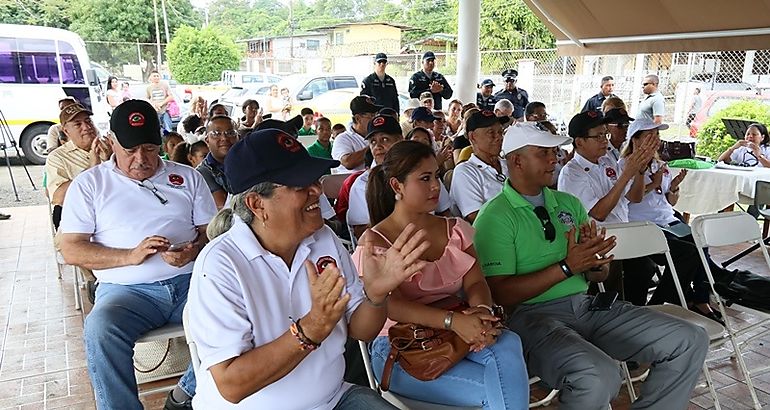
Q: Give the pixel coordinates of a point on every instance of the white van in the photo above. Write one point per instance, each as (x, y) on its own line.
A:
(38, 67)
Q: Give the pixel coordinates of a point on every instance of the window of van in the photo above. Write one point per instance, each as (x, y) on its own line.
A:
(70, 66)
(37, 60)
(9, 66)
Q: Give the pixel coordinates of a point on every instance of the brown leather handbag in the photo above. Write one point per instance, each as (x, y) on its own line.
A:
(423, 352)
(671, 150)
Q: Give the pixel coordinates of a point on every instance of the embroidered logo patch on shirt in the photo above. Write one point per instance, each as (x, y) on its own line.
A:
(566, 218)
(611, 174)
(323, 262)
(175, 179)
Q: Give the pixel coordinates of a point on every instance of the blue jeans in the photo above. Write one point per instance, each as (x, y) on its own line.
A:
(165, 121)
(494, 378)
(362, 398)
(121, 315)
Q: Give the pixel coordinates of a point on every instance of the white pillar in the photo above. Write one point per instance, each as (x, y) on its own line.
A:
(468, 57)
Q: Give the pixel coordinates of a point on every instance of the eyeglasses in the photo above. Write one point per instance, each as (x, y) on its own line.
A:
(216, 134)
(148, 185)
(646, 84)
(548, 229)
(605, 135)
(619, 125)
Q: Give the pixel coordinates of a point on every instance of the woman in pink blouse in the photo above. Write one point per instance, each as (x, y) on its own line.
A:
(404, 189)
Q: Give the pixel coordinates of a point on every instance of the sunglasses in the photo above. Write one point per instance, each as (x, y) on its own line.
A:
(646, 84)
(619, 125)
(148, 185)
(548, 229)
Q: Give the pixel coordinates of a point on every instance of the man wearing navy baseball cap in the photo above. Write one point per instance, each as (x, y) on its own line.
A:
(484, 99)
(138, 222)
(517, 96)
(429, 80)
(380, 85)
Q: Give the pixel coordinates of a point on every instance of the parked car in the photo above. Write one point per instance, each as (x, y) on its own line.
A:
(303, 88)
(335, 104)
(719, 100)
(719, 82)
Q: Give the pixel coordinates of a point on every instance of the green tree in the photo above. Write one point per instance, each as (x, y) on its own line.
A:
(713, 138)
(197, 56)
(510, 24)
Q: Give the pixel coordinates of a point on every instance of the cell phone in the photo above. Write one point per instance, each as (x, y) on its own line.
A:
(177, 247)
(603, 301)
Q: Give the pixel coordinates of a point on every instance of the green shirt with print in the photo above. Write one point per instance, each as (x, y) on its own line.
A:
(303, 132)
(510, 239)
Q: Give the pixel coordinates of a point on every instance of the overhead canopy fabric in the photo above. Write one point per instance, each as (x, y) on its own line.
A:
(590, 27)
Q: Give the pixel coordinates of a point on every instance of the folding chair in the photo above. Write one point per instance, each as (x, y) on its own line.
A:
(730, 228)
(761, 202)
(411, 404)
(637, 239)
(194, 359)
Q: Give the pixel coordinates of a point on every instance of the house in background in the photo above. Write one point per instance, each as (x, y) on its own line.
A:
(300, 53)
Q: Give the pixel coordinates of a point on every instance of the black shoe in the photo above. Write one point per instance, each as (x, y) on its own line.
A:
(4, 216)
(710, 314)
(172, 404)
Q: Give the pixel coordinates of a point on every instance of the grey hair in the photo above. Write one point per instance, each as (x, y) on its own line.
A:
(223, 220)
(504, 104)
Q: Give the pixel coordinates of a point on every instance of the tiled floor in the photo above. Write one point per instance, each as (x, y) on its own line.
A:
(42, 361)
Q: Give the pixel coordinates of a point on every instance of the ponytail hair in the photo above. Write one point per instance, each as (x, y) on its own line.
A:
(399, 162)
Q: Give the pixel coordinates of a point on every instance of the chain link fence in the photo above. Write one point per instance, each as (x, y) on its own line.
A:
(125, 59)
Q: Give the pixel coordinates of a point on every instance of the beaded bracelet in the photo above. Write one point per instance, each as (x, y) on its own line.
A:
(305, 343)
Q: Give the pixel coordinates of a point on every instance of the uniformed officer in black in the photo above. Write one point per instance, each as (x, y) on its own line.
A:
(595, 103)
(429, 80)
(518, 97)
(484, 99)
(380, 85)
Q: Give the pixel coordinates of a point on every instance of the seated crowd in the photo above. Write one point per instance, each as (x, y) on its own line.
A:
(485, 206)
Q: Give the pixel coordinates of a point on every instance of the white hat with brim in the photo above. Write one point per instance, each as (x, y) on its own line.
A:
(643, 124)
(412, 103)
(522, 134)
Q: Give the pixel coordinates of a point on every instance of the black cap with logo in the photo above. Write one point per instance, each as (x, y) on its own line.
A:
(581, 123)
(380, 57)
(385, 124)
(483, 119)
(135, 122)
(272, 155)
(363, 104)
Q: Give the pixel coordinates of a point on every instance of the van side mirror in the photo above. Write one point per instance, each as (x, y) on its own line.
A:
(305, 95)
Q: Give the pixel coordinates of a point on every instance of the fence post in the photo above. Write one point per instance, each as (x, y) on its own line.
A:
(636, 91)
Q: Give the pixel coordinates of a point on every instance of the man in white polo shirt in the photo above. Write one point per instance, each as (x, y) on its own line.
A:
(383, 133)
(138, 222)
(481, 177)
(350, 147)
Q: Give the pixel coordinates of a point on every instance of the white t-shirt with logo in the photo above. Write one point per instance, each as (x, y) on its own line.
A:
(474, 182)
(591, 182)
(241, 297)
(345, 143)
(120, 213)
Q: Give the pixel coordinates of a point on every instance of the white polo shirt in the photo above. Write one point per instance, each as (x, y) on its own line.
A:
(591, 182)
(474, 182)
(654, 206)
(119, 213)
(241, 297)
(345, 143)
(358, 211)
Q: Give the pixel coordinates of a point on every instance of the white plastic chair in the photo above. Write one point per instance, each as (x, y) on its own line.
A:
(194, 359)
(722, 229)
(411, 404)
(331, 184)
(637, 239)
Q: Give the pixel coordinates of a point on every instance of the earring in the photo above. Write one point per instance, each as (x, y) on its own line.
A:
(398, 197)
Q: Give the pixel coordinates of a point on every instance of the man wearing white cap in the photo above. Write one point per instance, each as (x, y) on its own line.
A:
(538, 251)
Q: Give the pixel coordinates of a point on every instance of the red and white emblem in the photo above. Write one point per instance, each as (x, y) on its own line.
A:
(378, 121)
(323, 262)
(288, 142)
(611, 174)
(175, 179)
(136, 119)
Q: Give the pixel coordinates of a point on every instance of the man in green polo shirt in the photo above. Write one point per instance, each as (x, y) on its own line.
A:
(538, 250)
(322, 148)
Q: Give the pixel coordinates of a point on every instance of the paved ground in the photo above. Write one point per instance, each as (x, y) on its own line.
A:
(27, 196)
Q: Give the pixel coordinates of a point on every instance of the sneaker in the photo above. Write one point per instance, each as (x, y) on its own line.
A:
(172, 404)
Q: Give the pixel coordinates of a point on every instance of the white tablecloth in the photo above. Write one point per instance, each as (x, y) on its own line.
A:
(706, 191)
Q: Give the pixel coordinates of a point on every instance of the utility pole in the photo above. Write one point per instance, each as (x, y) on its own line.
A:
(157, 31)
(291, 34)
(165, 20)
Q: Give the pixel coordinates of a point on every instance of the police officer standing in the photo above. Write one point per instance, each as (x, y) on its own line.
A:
(518, 97)
(484, 99)
(380, 85)
(429, 80)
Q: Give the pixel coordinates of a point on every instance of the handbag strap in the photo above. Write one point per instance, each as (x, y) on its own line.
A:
(388, 370)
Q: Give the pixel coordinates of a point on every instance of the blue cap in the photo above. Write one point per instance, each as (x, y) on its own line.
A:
(422, 114)
(428, 56)
(271, 155)
(487, 82)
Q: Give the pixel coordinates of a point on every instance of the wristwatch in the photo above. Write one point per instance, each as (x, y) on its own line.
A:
(565, 268)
